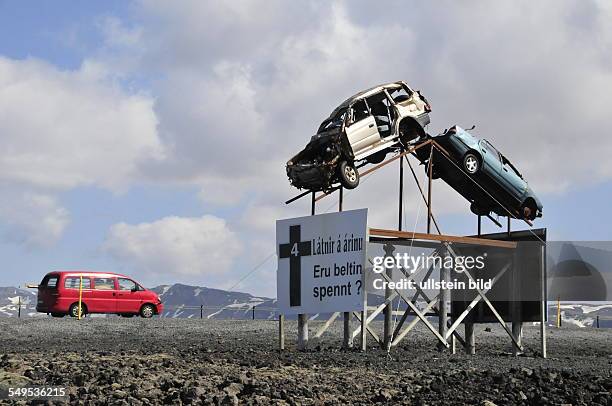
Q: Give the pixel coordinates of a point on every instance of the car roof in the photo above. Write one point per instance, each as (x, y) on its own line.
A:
(369, 92)
(89, 273)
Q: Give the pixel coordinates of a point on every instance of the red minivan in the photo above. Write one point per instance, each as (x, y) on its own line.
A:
(102, 292)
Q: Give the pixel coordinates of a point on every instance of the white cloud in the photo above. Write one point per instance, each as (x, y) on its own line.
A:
(63, 129)
(34, 220)
(240, 95)
(176, 247)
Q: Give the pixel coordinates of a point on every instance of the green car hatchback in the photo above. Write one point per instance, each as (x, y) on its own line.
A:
(483, 175)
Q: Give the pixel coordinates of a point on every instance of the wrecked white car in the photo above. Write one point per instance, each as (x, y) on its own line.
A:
(363, 129)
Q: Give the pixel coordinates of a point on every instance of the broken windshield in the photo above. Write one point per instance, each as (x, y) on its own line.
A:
(335, 121)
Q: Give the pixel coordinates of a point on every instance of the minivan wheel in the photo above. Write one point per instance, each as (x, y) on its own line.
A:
(349, 177)
(147, 311)
(471, 163)
(74, 310)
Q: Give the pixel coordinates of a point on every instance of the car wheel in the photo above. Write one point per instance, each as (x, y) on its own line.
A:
(74, 310)
(349, 177)
(147, 311)
(529, 210)
(58, 314)
(471, 163)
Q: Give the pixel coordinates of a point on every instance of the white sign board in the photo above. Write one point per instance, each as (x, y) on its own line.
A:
(320, 262)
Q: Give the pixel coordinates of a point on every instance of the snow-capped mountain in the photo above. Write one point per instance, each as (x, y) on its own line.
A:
(186, 301)
(10, 297)
(581, 314)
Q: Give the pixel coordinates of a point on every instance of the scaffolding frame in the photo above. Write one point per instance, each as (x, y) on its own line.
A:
(447, 329)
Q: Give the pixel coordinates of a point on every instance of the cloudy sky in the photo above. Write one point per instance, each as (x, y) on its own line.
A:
(149, 137)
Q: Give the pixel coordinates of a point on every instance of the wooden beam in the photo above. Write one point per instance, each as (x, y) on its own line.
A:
(441, 237)
(380, 165)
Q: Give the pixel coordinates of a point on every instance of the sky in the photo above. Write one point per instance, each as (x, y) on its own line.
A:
(150, 137)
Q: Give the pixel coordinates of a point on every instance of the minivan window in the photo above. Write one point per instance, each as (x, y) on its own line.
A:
(73, 282)
(360, 111)
(49, 281)
(399, 95)
(127, 284)
(104, 284)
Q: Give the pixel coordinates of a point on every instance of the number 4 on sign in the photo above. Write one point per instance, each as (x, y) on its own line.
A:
(294, 250)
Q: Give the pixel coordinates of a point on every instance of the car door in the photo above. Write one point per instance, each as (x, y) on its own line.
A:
(71, 286)
(491, 161)
(512, 180)
(361, 132)
(104, 294)
(129, 296)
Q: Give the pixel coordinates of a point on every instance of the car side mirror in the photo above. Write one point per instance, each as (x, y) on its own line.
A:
(134, 289)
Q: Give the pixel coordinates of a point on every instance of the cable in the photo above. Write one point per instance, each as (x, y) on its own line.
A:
(253, 270)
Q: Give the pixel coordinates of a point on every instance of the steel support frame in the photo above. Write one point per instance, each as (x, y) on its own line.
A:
(364, 319)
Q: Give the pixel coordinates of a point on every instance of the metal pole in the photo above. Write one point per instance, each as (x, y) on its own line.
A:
(443, 305)
(401, 195)
(201, 311)
(387, 332)
(346, 339)
(470, 339)
(597, 321)
(517, 324)
(543, 303)
(509, 226)
(80, 295)
(470, 342)
(429, 172)
(558, 311)
(303, 318)
(364, 316)
(19, 309)
(254, 312)
(281, 332)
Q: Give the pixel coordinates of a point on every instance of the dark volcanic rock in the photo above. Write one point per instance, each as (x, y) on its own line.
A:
(135, 361)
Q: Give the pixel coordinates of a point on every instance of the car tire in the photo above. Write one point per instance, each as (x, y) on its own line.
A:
(58, 314)
(147, 311)
(471, 163)
(73, 311)
(529, 210)
(348, 174)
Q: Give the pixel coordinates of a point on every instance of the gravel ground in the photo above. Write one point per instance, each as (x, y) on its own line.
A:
(174, 361)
